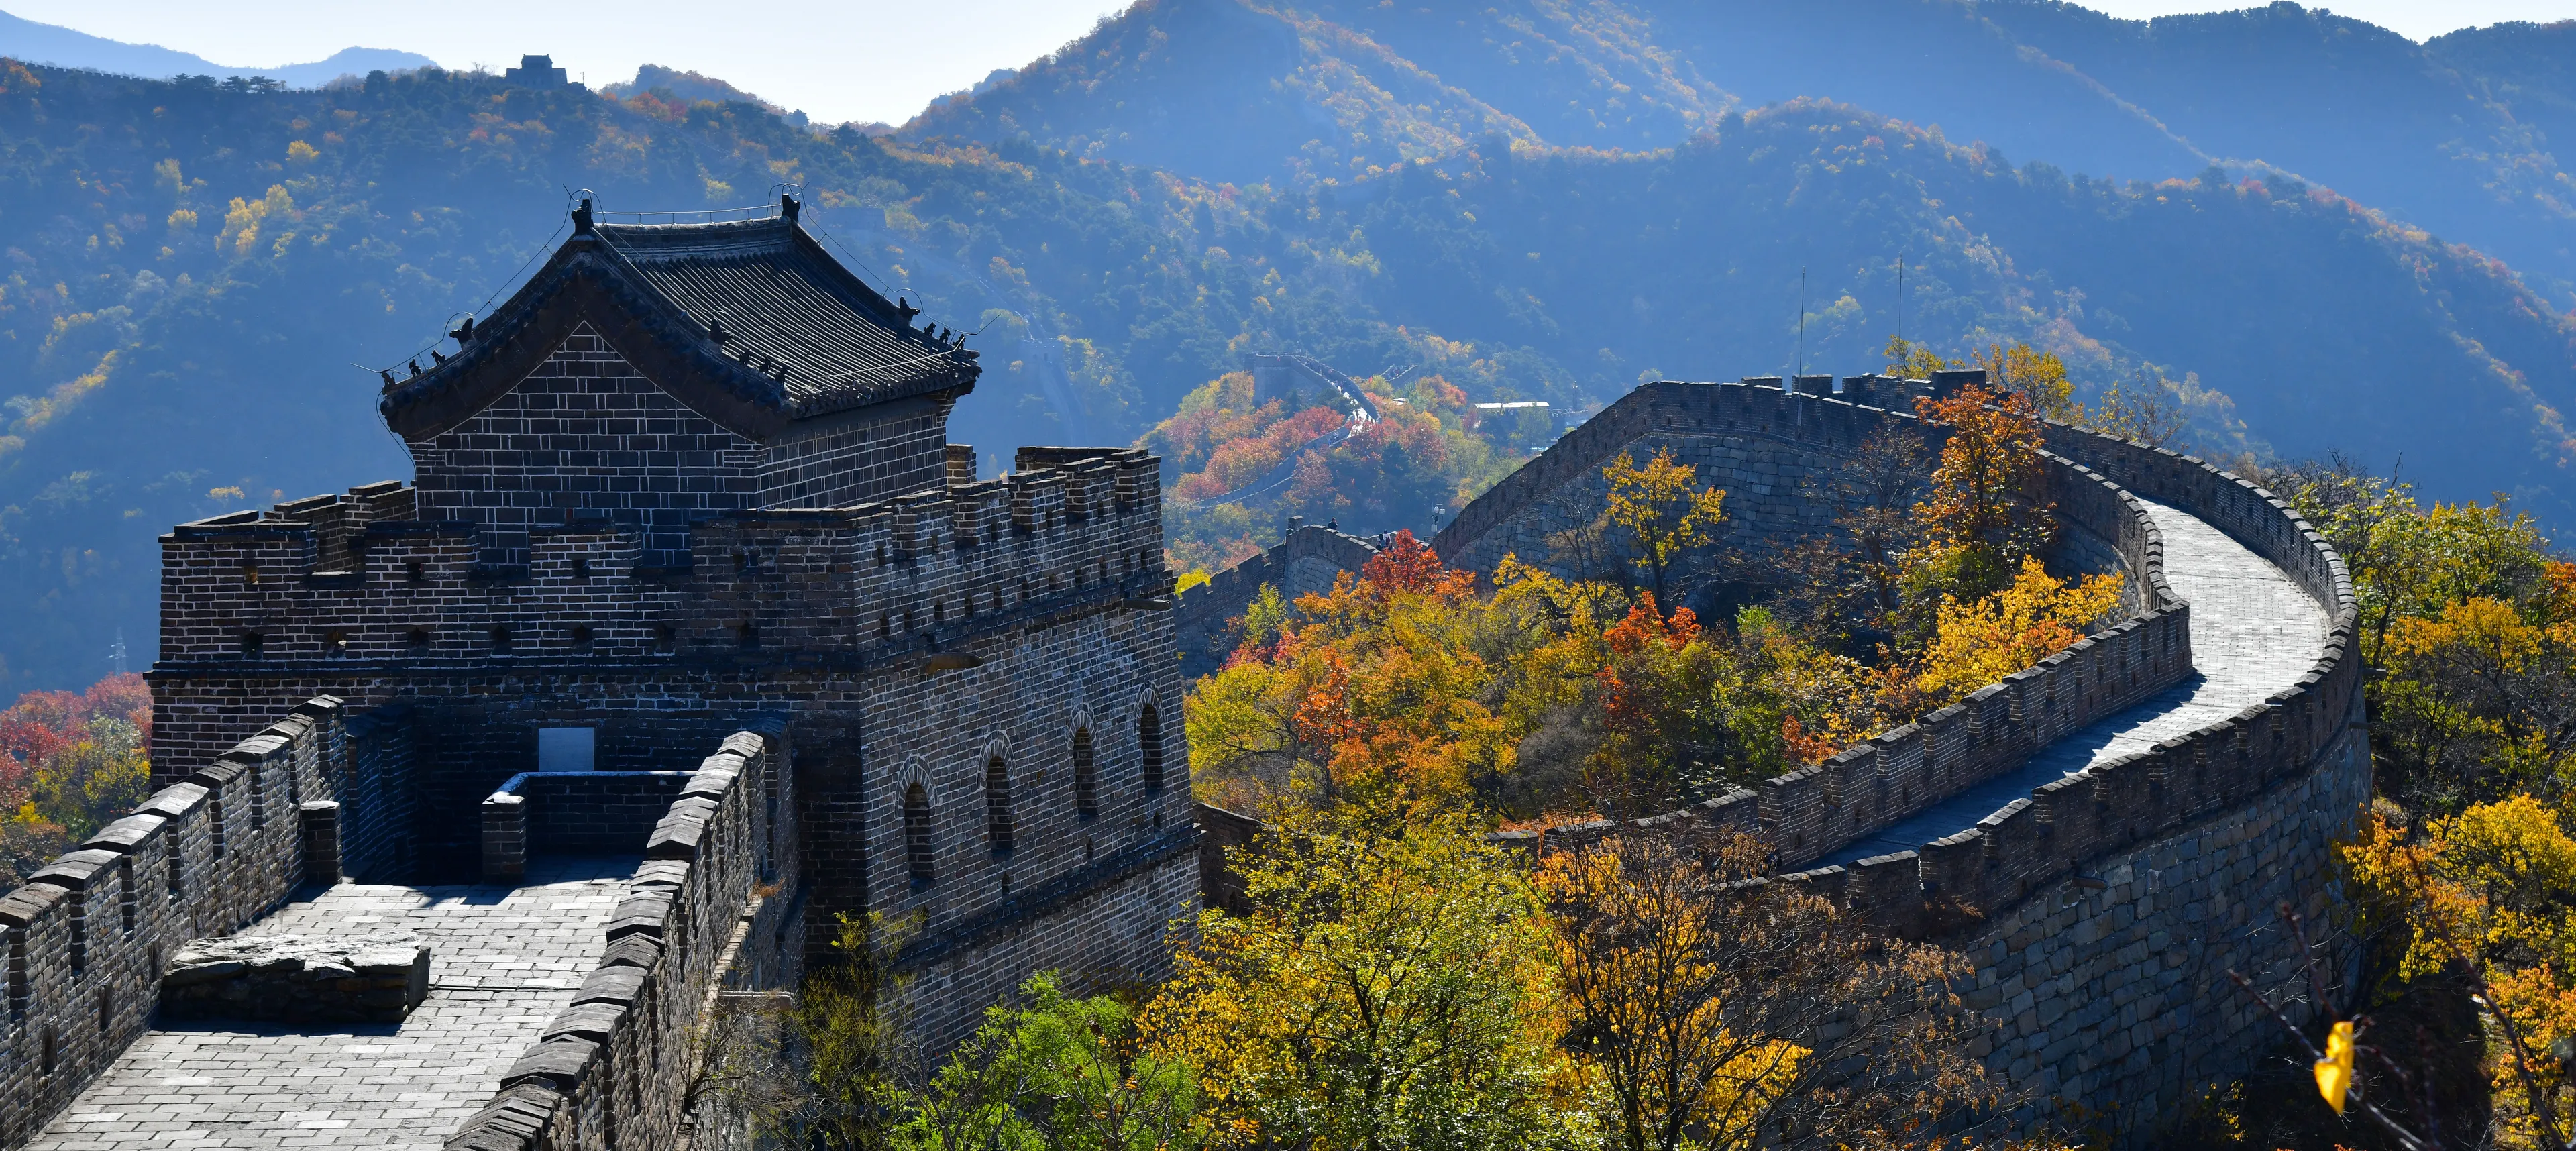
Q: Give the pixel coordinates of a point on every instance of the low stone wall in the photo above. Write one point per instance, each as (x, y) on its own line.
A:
(572, 813)
(87, 937)
(612, 1069)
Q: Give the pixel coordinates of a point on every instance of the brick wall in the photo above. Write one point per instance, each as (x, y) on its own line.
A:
(587, 438)
(379, 840)
(613, 1068)
(571, 813)
(585, 431)
(86, 937)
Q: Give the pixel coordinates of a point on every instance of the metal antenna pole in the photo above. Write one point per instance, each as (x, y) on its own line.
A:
(1802, 321)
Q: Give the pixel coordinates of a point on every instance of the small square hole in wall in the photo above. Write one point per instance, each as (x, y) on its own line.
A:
(566, 748)
(581, 635)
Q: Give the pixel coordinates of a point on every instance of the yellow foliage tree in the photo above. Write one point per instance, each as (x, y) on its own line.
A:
(1375, 993)
(1909, 360)
(2491, 893)
(1714, 1017)
(1979, 642)
(1659, 511)
(2039, 375)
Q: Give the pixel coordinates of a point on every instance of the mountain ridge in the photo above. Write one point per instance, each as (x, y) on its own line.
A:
(53, 44)
(2421, 131)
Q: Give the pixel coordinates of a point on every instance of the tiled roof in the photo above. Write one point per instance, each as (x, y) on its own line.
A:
(828, 339)
(751, 323)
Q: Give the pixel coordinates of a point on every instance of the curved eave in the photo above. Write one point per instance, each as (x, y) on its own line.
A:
(585, 282)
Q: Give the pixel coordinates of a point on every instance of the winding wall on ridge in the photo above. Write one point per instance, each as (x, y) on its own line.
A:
(2102, 907)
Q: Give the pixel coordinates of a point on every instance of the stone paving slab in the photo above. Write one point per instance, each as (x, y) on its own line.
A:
(506, 959)
(2254, 632)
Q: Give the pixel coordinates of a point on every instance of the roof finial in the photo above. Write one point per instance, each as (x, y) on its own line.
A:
(904, 308)
(581, 218)
(464, 332)
(788, 207)
(387, 374)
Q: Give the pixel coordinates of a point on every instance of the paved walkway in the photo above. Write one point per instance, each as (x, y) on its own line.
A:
(2253, 632)
(503, 961)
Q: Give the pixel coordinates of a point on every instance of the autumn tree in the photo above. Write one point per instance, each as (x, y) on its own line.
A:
(1659, 515)
(1688, 712)
(1727, 1017)
(1374, 695)
(2473, 627)
(2141, 411)
(1980, 642)
(2039, 377)
(1831, 586)
(1984, 513)
(1911, 360)
(1378, 993)
(70, 762)
(2489, 896)
(849, 1043)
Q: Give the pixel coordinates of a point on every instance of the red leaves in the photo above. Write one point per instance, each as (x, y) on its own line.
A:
(1409, 565)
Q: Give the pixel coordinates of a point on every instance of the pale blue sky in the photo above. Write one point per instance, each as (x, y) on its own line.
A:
(847, 60)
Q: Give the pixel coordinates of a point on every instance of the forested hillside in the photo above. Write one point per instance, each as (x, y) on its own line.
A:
(201, 279)
(2455, 136)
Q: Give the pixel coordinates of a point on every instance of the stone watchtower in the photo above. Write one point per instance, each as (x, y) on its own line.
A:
(694, 477)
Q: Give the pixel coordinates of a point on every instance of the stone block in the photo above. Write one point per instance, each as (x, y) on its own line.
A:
(297, 978)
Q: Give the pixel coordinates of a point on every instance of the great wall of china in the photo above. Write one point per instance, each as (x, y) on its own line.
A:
(951, 700)
(2106, 834)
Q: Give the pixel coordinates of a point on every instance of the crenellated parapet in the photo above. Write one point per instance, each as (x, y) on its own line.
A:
(88, 936)
(613, 1068)
(341, 587)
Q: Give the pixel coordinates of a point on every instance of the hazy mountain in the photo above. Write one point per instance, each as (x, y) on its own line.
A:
(65, 48)
(2454, 136)
(690, 86)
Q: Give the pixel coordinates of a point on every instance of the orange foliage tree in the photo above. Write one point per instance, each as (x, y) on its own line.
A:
(1983, 514)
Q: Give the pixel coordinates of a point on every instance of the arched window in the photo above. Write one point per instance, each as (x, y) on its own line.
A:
(1149, 737)
(1086, 776)
(919, 853)
(997, 805)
